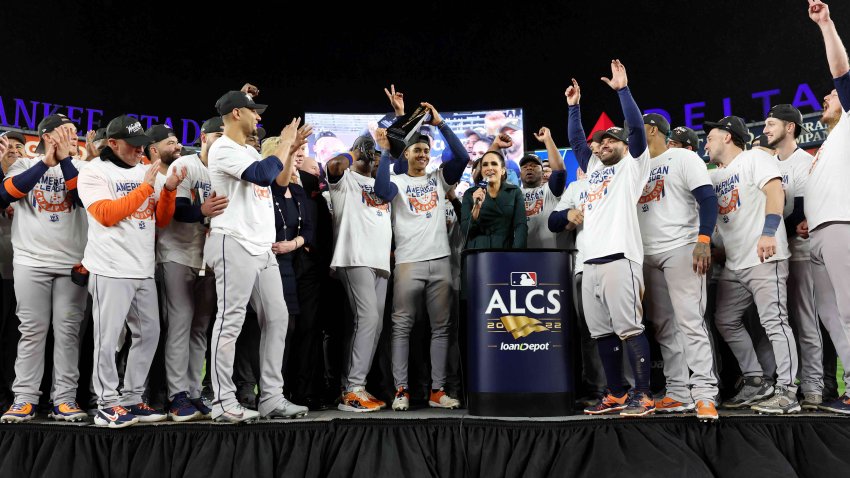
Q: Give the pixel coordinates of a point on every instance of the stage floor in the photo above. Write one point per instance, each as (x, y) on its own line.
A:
(437, 443)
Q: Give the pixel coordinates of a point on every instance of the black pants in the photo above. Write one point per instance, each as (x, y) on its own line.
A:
(304, 369)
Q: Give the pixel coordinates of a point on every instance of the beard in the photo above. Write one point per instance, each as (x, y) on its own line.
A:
(778, 139)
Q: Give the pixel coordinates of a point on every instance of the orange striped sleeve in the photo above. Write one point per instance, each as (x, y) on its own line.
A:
(13, 191)
(71, 183)
(110, 212)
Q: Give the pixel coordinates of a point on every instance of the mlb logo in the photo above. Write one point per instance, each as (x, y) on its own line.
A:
(524, 279)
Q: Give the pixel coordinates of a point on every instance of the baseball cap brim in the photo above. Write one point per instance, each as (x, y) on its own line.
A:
(141, 140)
(260, 109)
(710, 125)
(608, 134)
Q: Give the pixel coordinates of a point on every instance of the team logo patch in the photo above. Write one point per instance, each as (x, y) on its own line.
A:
(423, 203)
(534, 208)
(145, 211)
(524, 279)
(725, 206)
(262, 193)
(371, 200)
(652, 192)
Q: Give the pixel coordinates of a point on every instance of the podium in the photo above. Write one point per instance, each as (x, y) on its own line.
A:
(519, 326)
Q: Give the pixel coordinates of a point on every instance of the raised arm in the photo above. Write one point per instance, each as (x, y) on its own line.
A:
(575, 131)
(619, 82)
(455, 157)
(292, 138)
(384, 188)
(836, 54)
(558, 180)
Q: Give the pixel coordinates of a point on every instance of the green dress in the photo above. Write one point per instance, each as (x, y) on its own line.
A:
(501, 222)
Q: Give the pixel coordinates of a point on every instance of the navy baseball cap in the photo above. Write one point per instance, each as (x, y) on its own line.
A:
(530, 158)
(791, 114)
(159, 132)
(237, 99)
(686, 136)
(615, 132)
(17, 137)
(213, 125)
(660, 122)
(733, 124)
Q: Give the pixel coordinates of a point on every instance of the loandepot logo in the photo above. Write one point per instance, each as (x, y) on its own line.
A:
(522, 326)
(525, 347)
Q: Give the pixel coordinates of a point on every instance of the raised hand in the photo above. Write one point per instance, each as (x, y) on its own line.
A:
(214, 205)
(543, 135)
(50, 147)
(618, 79)
(396, 100)
(290, 131)
(175, 178)
(66, 143)
(502, 141)
(91, 151)
(819, 12)
(4, 145)
(573, 93)
(381, 139)
(301, 136)
(251, 90)
(150, 174)
(435, 116)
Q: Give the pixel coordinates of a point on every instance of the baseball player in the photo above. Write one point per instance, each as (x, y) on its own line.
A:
(540, 198)
(783, 125)
(683, 137)
(748, 185)
(677, 213)
(11, 149)
(117, 191)
(422, 262)
(826, 198)
(188, 288)
(361, 215)
(239, 251)
(48, 237)
(613, 278)
(574, 198)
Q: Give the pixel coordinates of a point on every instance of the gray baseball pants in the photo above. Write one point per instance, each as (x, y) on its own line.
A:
(611, 295)
(804, 317)
(831, 273)
(45, 294)
(116, 302)
(413, 280)
(766, 285)
(241, 278)
(189, 308)
(366, 289)
(675, 301)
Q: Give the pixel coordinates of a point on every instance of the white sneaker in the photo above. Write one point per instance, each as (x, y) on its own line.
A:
(401, 402)
(440, 399)
(287, 409)
(238, 414)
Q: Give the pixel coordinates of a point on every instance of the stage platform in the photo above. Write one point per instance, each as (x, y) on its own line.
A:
(437, 443)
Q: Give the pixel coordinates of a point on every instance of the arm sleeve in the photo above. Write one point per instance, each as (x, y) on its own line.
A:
(384, 188)
(110, 212)
(637, 135)
(70, 173)
(264, 172)
(399, 165)
(557, 182)
(469, 226)
(578, 140)
(185, 211)
(455, 156)
(520, 222)
(842, 86)
(558, 220)
(796, 217)
(18, 186)
(707, 200)
(165, 207)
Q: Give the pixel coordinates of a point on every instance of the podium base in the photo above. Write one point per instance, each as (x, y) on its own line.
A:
(521, 404)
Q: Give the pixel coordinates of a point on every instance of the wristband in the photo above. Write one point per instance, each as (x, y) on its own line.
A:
(703, 239)
(771, 224)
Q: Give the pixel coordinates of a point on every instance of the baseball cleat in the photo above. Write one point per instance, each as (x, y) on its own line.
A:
(69, 412)
(203, 406)
(811, 401)
(114, 417)
(782, 402)
(19, 412)
(238, 414)
(146, 414)
(357, 400)
(671, 405)
(380, 403)
(182, 409)
(841, 405)
(706, 411)
(401, 402)
(640, 404)
(753, 390)
(287, 409)
(440, 399)
(609, 404)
